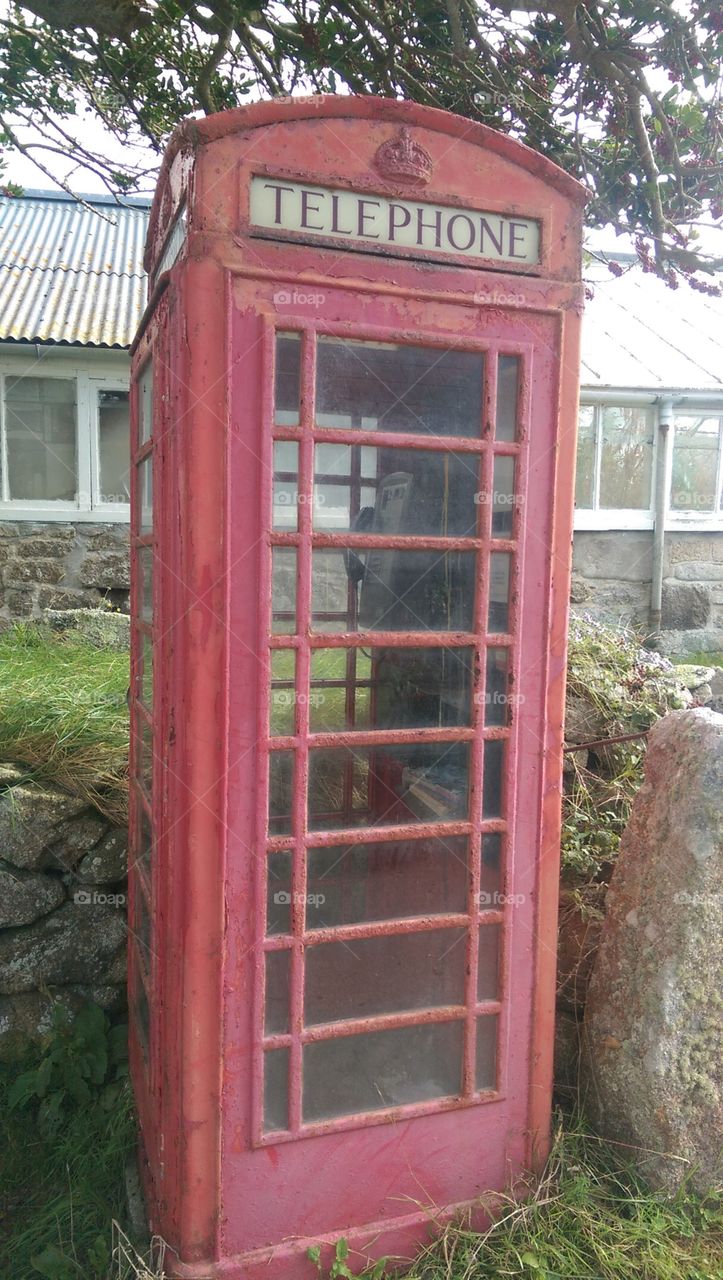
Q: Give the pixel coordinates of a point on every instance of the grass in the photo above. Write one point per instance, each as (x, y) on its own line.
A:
(712, 659)
(61, 1190)
(589, 1218)
(63, 714)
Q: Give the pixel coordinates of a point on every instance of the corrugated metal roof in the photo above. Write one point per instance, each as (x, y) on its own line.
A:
(74, 275)
(640, 334)
(69, 273)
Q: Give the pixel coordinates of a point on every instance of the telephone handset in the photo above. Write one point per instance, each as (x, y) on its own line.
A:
(378, 570)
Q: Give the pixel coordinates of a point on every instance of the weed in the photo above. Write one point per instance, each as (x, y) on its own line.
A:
(340, 1269)
(590, 1217)
(84, 1057)
(63, 714)
(626, 688)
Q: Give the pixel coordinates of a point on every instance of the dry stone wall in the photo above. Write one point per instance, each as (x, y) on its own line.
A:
(62, 908)
(61, 566)
(612, 573)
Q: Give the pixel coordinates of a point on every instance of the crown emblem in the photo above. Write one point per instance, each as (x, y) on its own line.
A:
(402, 160)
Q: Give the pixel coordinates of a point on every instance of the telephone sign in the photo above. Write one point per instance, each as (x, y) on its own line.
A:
(354, 411)
(350, 217)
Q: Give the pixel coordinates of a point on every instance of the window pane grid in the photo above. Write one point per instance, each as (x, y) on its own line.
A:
(142, 851)
(492, 535)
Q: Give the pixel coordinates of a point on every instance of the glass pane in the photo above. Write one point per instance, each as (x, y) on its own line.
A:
(381, 1069)
(503, 497)
(695, 463)
(486, 1072)
(283, 591)
(286, 485)
(585, 473)
(490, 895)
(359, 590)
(142, 929)
(494, 756)
(378, 386)
(508, 377)
(626, 460)
(276, 1089)
(281, 782)
(278, 893)
(144, 849)
(144, 564)
(276, 994)
(288, 377)
(390, 974)
(350, 884)
(144, 748)
(40, 425)
(146, 690)
(390, 688)
(283, 692)
(145, 403)
(145, 494)
(383, 786)
(142, 1016)
(405, 491)
(488, 963)
(499, 601)
(497, 697)
(114, 445)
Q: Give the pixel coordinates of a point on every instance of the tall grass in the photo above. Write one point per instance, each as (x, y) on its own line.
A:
(63, 714)
(590, 1217)
(61, 1190)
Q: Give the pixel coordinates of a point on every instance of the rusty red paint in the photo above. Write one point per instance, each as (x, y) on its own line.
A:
(232, 1198)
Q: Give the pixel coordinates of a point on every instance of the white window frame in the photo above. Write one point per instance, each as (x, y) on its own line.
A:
(684, 404)
(119, 510)
(696, 520)
(89, 378)
(597, 517)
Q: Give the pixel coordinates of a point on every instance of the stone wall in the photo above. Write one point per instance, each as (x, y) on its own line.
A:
(62, 908)
(61, 566)
(612, 573)
(66, 566)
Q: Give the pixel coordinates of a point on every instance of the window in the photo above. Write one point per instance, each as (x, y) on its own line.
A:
(113, 437)
(40, 438)
(64, 443)
(696, 478)
(617, 460)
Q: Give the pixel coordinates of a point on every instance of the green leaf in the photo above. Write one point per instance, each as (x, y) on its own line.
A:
(54, 1264)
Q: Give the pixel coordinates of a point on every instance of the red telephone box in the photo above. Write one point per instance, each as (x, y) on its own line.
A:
(354, 425)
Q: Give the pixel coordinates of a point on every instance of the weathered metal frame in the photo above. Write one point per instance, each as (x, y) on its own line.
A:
(304, 641)
(199, 1137)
